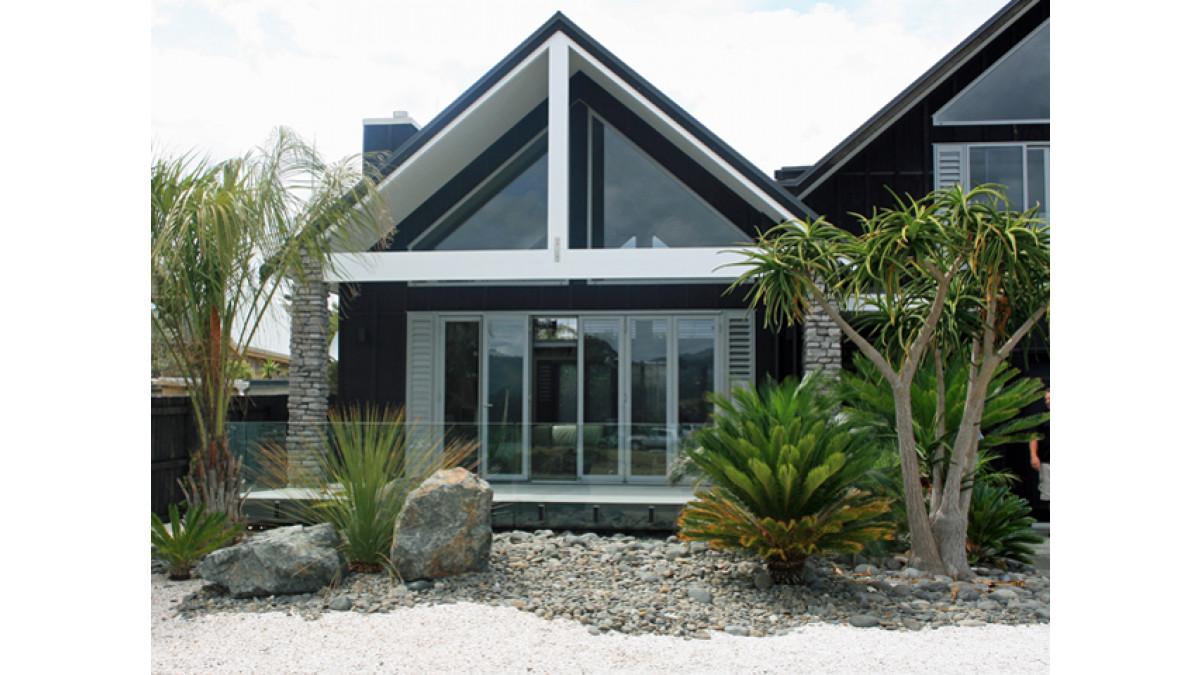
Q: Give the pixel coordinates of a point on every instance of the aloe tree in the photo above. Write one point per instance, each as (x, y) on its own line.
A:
(950, 268)
(225, 237)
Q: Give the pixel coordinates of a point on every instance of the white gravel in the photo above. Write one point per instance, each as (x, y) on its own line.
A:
(481, 639)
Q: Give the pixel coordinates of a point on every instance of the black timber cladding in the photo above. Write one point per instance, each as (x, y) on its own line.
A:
(900, 157)
(373, 323)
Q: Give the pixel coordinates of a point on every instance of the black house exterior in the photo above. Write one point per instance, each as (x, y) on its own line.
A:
(980, 115)
(553, 285)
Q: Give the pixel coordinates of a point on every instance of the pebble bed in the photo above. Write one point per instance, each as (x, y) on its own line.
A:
(643, 586)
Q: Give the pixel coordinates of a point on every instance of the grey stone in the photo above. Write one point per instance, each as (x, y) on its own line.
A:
(445, 527)
(282, 561)
(762, 580)
(419, 585)
(701, 595)
(739, 631)
(863, 620)
(866, 568)
(340, 604)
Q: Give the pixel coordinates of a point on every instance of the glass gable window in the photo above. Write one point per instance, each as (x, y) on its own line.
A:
(508, 211)
(1015, 89)
(633, 201)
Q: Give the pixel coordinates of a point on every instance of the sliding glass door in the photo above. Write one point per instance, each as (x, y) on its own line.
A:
(600, 397)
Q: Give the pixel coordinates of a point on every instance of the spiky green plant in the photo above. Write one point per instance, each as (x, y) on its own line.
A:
(370, 461)
(785, 472)
(189, 538)
(999, 527)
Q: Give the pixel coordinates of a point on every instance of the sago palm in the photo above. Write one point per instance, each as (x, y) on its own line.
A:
(786, 473)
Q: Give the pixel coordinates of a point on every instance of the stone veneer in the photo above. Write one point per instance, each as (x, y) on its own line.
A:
(822, 343)
(308, 379)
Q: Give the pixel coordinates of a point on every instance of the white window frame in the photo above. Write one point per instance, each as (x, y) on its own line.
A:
(958, 170)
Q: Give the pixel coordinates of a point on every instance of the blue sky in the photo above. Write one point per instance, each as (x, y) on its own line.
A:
(782, 82)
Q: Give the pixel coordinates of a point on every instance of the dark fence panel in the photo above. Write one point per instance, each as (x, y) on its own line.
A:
(173, 434)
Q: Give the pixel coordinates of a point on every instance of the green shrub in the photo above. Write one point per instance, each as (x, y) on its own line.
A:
(370, 461)
(189, 539)
(999, 527)
(785, 476)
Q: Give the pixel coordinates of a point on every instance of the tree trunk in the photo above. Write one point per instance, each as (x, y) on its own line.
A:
(925, 552)
(949, 526)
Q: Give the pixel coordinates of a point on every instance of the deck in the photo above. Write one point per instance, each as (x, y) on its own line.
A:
(535, 506)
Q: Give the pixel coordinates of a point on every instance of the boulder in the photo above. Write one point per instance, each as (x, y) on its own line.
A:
(445, 527)
(282, 561)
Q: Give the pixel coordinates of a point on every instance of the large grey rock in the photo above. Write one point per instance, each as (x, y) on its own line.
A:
(282, 561)
(445, 527)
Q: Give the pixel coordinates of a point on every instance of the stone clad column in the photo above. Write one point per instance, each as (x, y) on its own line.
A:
(822, 343)
(308, 378)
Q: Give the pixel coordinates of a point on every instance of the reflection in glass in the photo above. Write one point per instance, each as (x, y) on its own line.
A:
(553, 449)
(507, 212)
(1003, 165)
(697, 361)
(461, 412)
(1016, 88)
(1038, 192)
(601, 354)
(506, 360)
(646, 207)
(648, 379)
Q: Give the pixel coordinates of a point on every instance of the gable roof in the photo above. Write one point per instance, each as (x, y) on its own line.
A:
(808, 180)
(514, 86)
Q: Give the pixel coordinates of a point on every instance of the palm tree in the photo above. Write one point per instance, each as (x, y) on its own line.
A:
(225, 237)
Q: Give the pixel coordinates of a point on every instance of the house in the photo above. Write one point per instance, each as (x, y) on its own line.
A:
(980, 115)
(553, 286)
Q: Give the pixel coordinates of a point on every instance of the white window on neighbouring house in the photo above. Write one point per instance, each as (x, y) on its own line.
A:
(1023, 169)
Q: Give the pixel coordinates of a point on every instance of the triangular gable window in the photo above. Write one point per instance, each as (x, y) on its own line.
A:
(1015, 89)
(506, 212)
(644, 206)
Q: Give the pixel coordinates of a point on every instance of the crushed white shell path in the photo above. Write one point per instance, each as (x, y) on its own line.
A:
(482, 639)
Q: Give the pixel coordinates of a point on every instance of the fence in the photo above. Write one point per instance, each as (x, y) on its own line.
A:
(173, 435)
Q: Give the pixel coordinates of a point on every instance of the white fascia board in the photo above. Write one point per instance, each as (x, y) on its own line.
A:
(477, 127)
(558, 132)
(538, 265)
(686, 142)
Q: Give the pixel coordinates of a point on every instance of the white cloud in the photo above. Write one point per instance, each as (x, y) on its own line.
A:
(781, 82)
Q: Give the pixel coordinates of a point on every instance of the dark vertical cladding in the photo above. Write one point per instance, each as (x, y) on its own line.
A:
(372, 342)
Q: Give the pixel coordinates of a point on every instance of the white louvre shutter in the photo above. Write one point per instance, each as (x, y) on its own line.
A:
(949, 166)
(419, 395)
(739, 349)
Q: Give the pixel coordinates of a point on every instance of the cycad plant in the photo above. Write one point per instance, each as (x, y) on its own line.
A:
(370, 461)
(999, 527)
(786, 474)
(190, 538)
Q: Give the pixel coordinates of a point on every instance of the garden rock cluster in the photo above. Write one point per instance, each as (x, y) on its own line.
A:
(286, 560)
(445, 527)
(669, 587)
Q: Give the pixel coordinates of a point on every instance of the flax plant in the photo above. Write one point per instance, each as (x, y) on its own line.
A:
(371, 459)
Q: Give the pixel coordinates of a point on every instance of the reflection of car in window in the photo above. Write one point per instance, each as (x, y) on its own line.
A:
(657, 437)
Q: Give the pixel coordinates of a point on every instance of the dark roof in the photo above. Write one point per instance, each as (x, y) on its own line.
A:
(559, 22)
(804, 183)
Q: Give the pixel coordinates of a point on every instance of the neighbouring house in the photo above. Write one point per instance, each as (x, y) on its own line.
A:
(554, 287)
(980, 115)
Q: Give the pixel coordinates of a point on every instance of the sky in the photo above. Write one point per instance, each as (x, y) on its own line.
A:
(781, 81)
